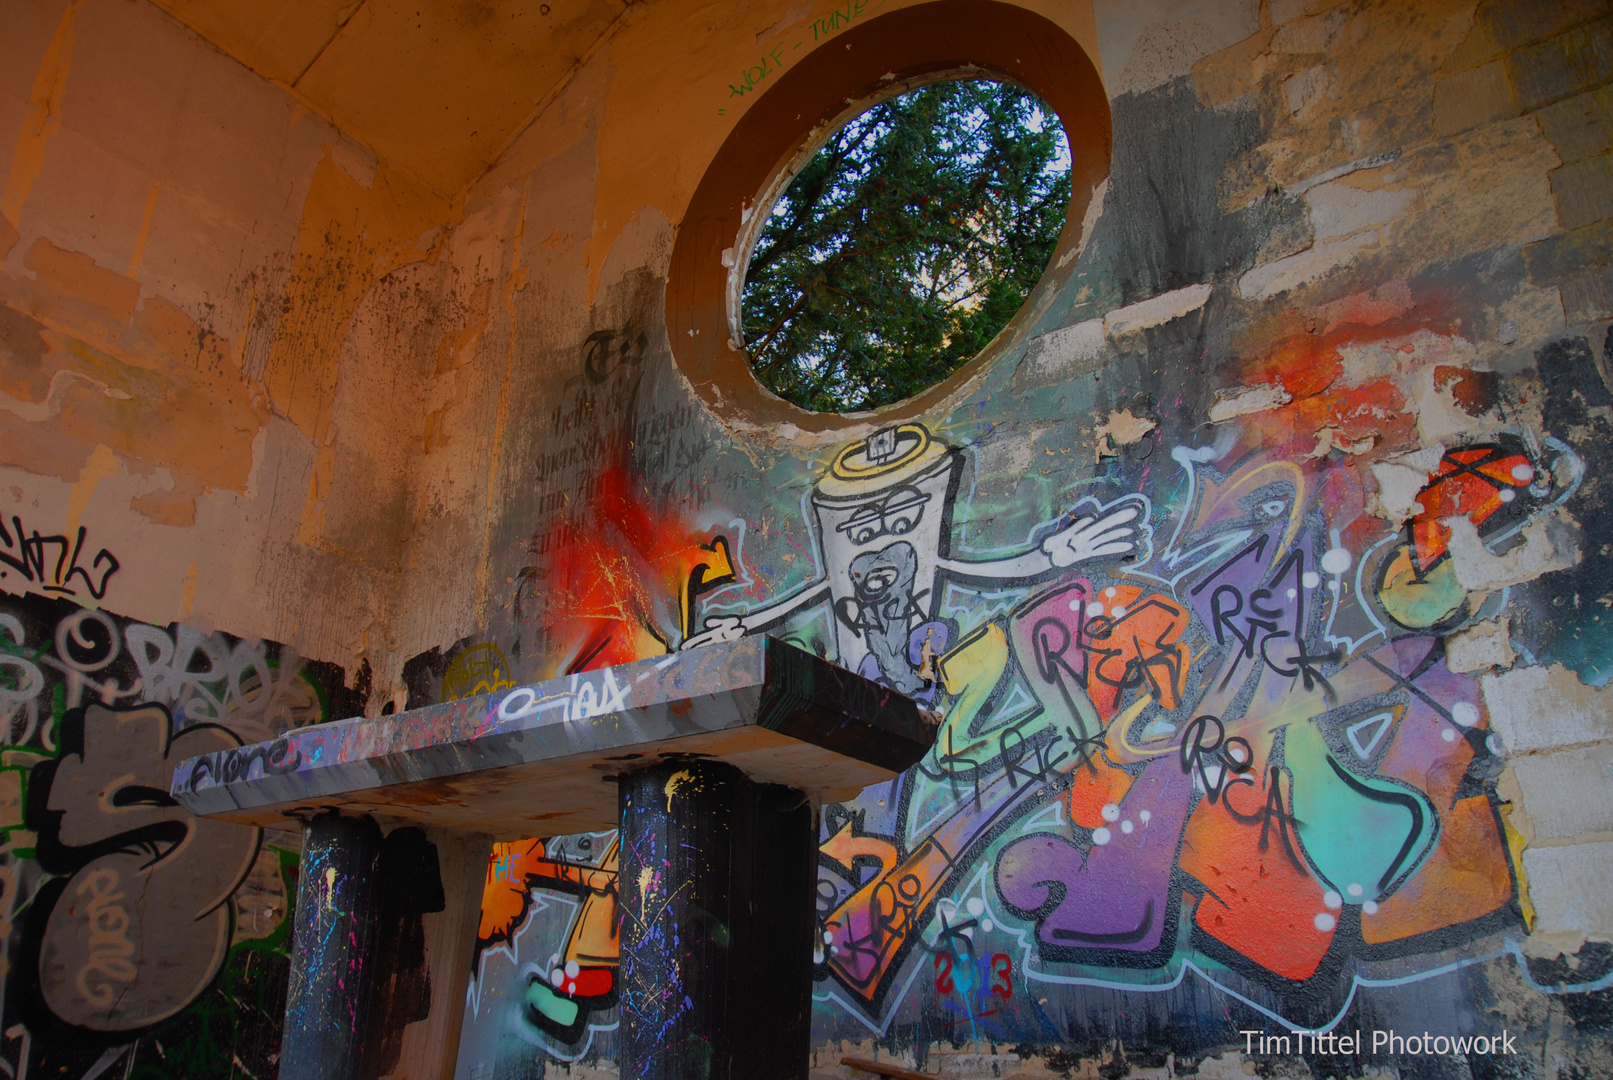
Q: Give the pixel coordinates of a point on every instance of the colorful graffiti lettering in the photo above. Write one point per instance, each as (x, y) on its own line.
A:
(1218, 738)
(480, 669)
(135, 923)
(1188, 738)
(560, 995)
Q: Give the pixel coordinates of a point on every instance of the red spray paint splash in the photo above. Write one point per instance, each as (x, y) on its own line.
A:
(623, 583)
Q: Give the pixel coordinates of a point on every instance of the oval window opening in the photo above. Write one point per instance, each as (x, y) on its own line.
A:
(904, 244)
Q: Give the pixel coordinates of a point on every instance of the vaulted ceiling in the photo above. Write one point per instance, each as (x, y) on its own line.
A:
(438, 86)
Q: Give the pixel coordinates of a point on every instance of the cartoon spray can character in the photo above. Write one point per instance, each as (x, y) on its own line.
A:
(883, 511)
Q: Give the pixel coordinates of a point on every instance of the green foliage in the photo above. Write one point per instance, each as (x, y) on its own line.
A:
(231, 1032)
(905, 244)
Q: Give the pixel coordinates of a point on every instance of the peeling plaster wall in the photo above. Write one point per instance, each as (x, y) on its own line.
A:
(211, 377)
(348, 444)
(194, 343)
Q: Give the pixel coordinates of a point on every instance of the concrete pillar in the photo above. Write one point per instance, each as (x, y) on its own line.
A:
(427, 1046)
(333, 949)
(717, 922)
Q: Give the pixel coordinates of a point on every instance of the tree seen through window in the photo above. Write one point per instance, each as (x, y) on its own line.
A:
(905, 244)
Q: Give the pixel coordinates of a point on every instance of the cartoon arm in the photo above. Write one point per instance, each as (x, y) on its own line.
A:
(1117, 528)
(733, 627)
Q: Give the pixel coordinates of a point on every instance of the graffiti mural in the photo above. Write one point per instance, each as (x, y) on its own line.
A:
(1237, 750)
(1197, 724)
(545, 972)
(1231, 743)
(139, 938)
(128, 853)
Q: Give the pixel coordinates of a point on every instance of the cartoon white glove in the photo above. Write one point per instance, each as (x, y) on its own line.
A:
(718, 628)
(1118, 532)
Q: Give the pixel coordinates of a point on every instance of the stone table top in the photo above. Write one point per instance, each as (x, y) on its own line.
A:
(541, 760)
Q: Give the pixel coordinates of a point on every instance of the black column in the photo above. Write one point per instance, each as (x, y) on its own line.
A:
(716, 879)
(333, 949)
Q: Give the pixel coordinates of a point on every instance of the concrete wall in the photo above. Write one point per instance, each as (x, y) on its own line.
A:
(1328, 359)
(183, 255)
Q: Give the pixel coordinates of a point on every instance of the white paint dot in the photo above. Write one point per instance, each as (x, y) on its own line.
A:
(1336, 561)
(1506, 494)
(1311, 579)
(976, 906)
(1493, 744)
(1111, 812)
(1370, 907)
(1325, 922)
(1117, 611)
(828, 938)
(571, 988)
(817, 956)
(1523, 473)
(1101, 836)
(986, 925)
(1075, 605)
(1144, 815)
(1292, 593)
(1094, 610)
(1449, 734)
(1354, 890)
(573, 969)
(1126, 827)
(1333, 586)
(556, 977)
(1332, 899)
(1109, 592)
(833, 950)
(1465, 713)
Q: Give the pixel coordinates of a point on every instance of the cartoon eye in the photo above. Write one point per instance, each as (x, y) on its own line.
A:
(1273, 507)
(863, 533)
(141, 795)
(879, 581)
(902, 523)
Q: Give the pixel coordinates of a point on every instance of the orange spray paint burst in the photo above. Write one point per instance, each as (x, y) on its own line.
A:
(624, 583)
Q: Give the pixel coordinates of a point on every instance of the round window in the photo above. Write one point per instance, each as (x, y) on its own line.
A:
(904, 244)
(932, 79)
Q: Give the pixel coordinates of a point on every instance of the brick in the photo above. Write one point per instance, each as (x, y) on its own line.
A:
(77, 276)
(1588, 296)
(1473, 97)
(1478, 47)
(1584, 191)
(1282, 11)
(1572, 63)
(1340, 209)
(1156, 310)
(1571, 887)
(1567, 793)
(1520, 22)
(1061, 355)
(1280, 275)
(1481, 646)
(1579, 127)
(1544, 708)
(1555, 257)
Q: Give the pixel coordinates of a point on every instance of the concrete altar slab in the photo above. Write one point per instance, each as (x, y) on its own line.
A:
(542, 759)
